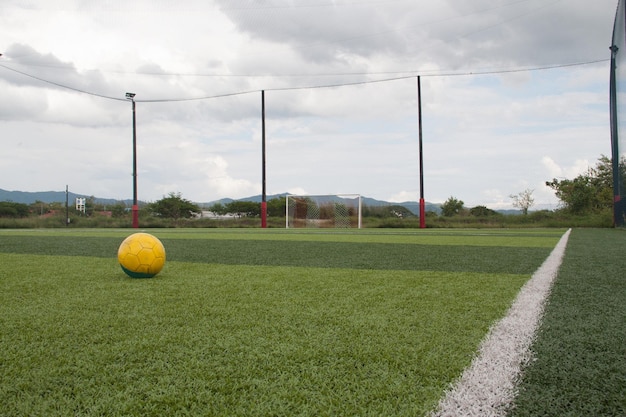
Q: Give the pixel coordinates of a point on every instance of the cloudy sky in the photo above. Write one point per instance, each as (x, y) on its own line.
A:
(514, 93)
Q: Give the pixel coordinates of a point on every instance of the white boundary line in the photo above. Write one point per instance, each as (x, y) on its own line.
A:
(487, 386)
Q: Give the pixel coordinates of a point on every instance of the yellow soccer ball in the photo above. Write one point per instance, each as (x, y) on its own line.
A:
(141, 255)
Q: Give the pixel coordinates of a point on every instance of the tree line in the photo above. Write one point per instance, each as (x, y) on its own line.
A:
(589, 193)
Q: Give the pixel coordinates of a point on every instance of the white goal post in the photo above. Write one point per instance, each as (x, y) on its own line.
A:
(317, 211)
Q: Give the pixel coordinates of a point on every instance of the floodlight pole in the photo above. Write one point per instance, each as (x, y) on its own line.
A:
(419, 117)
(263, 179)
(135, 209)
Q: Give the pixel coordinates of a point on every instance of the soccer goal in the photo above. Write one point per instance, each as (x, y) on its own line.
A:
(317, 211)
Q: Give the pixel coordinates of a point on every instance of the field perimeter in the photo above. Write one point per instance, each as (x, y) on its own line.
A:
(252, 322)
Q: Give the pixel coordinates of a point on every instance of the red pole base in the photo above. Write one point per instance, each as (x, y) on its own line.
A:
(264, 214)
(422, 214)
(135, 216)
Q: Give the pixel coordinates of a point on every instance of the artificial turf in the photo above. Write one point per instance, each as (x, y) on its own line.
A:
(579, 366)
(219, 334)
(462, 252)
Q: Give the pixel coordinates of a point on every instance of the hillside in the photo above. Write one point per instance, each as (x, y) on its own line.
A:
(26, 197)
(413, 206)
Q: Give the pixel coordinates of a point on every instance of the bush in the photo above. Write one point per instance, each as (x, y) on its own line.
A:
(13, 210)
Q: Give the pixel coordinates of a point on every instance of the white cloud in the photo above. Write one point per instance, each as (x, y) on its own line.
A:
(403, 196)
(557, 171)
(298, 191)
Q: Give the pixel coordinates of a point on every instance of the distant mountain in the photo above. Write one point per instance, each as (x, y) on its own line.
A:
(254, 199)
(26, 197)
(412, 206)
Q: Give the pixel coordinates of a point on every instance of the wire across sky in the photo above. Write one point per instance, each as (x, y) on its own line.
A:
(410, 74)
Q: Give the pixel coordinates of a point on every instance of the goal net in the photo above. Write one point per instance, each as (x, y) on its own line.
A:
(316, 211)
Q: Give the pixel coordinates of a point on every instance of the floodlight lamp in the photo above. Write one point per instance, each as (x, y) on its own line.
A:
(130, 95)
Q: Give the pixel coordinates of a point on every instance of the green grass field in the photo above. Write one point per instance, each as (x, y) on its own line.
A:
(252, 322)
(580, 351)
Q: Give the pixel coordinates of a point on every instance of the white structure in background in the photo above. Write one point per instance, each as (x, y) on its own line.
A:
(80, 204)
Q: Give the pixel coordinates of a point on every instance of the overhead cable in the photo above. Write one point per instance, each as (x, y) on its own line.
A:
(410, 74)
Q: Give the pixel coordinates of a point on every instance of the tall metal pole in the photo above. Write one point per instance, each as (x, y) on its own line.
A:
(135, 209)
(264, 191)
(67, 205)
(135, 202)
(618, 203)
(419, 116)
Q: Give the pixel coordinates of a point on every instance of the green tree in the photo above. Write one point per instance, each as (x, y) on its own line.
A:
(118, 210)
(39, 207)
(175, 207)
(391, 211)
(90, 206)
(451, 207)
(482, 211)
(14, 210)
(276, 207)
(244, 208)
(396, 210)
(591, 191)
(218, 208)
